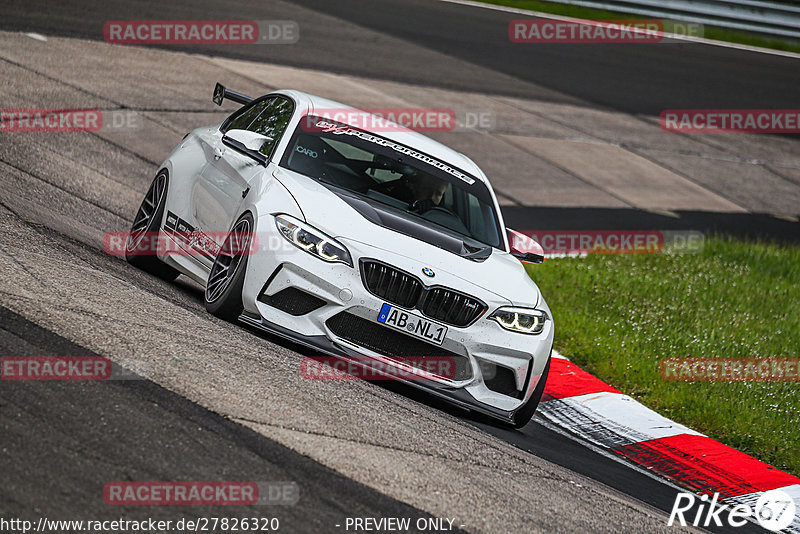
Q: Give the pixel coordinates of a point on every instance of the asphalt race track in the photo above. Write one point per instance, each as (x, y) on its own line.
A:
(216, 401)
(361, 37)
(84, 439)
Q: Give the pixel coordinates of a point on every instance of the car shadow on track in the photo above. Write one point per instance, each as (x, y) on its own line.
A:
(396, 386)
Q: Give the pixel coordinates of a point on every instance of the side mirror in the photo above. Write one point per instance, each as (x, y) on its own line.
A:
(248, 143)
(250, 140)
(524, 248)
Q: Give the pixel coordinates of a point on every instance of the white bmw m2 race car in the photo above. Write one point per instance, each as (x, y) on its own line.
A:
(369, 246)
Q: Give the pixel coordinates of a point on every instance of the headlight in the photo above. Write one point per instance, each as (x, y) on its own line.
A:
(311, 240)
(524, 320)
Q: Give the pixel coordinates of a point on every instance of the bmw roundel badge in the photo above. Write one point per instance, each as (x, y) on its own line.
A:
(427, 271)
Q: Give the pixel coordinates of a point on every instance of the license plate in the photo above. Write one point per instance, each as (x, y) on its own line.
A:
(412, 324)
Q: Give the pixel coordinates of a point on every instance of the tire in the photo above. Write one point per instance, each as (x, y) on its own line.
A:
(524, 414)
(223, 294)
(148, 219)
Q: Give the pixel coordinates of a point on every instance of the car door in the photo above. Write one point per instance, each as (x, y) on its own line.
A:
(228, 174)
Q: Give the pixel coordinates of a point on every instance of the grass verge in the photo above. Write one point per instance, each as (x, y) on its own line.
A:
(710, 32)
(619, 316)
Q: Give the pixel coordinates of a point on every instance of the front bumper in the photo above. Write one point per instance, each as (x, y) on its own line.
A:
(483, 345)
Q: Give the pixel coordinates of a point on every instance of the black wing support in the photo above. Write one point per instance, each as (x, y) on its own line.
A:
(221, 93)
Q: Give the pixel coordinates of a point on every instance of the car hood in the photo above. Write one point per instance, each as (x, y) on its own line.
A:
(500, 273)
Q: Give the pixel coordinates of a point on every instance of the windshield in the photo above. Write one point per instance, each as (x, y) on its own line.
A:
(382, 171)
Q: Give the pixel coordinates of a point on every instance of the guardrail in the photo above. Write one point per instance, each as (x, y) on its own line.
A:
(769, 18)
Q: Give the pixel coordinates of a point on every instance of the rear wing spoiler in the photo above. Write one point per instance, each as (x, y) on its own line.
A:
(221, 93)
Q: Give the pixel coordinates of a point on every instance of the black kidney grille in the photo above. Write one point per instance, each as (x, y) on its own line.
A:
(439, 303)
(391, 284)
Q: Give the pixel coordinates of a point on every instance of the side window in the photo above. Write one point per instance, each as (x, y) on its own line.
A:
(245, 117)
(268, 117)
(272, 122)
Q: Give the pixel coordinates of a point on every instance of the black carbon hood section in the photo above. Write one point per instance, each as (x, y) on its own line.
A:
(413, 229)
